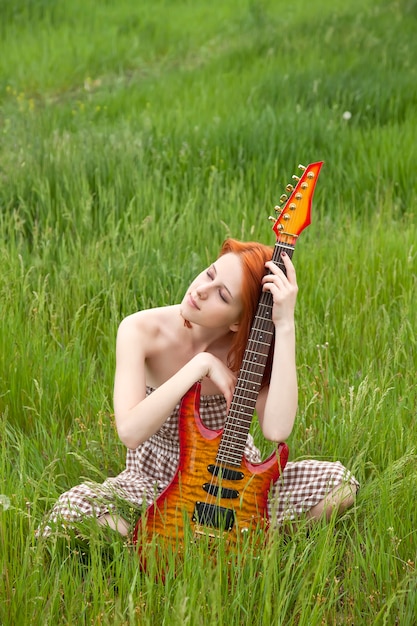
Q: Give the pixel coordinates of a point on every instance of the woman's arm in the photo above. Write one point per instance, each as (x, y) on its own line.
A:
(138, 416)
(277, 403)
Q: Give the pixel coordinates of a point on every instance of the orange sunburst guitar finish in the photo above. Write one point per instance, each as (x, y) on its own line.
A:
(216, 492)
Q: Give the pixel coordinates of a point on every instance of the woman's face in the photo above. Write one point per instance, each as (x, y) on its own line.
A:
(213, 299)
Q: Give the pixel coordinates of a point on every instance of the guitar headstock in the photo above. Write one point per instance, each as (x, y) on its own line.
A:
(294, 213)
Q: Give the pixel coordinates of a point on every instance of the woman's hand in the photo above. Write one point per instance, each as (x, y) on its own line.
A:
(220, 375)
(283, 289)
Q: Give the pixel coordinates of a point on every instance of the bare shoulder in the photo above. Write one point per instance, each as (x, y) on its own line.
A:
(148, 327)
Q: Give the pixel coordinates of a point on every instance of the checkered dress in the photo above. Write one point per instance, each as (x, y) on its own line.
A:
(152, 465)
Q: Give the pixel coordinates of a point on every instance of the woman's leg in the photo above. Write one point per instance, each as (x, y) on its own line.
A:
(340, 498)
(115, 523)
(312, 489)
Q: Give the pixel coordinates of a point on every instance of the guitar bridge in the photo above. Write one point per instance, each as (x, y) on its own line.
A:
(213, 515)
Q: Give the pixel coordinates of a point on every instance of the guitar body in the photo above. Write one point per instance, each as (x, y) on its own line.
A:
(197, 502)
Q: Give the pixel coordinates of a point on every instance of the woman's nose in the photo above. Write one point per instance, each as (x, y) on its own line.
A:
(201, 292)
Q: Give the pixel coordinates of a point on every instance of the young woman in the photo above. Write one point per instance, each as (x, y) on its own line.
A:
(162, 352)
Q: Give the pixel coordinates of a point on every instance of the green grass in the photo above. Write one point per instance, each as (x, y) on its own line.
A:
(134, 138)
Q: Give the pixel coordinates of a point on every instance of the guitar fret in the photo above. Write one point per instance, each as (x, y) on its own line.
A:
(231, 458)
(261, 343)
(260, 331)
(236, 437)
(260, 337)
(251, 394)
(265, 320)
(255, 360)
(244, 400)
(260, 374)
(242, 413)
(252, 355)
(237, 441)
(242, 423)
(233, 461)
(261, 311)
(239, 405)
(234, 449)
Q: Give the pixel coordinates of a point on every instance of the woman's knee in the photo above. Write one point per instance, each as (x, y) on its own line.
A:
(340, 498)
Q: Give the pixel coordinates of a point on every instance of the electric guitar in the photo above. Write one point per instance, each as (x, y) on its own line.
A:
(216, 492)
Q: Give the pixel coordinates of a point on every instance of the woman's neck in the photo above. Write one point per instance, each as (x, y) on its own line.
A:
(202, 339)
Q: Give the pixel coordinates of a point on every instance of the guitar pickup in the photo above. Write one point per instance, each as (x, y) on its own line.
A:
(222, 492)
(213, 515)
(225, 472)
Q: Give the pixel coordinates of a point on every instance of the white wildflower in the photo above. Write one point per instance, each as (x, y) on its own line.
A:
(4, 502)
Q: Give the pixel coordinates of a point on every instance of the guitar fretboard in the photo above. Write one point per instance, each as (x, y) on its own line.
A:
(239, 418)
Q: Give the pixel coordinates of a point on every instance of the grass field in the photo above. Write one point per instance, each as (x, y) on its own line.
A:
(136, 136)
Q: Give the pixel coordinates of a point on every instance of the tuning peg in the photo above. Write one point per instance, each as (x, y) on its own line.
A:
(294, 177)
(272, 218)
(278, 209)
(283, 197)
(289, 187)
(302, 167)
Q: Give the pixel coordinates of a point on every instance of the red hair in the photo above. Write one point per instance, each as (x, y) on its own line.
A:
(253, 256)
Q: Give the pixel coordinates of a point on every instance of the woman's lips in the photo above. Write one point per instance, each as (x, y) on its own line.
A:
(193, 302)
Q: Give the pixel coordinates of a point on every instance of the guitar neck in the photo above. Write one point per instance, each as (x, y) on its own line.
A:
(294, 216)
(239, 418)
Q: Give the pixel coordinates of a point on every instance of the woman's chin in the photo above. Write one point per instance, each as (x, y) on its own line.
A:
(187, 323)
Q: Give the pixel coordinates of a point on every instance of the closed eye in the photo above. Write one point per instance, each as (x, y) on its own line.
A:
(212, 275)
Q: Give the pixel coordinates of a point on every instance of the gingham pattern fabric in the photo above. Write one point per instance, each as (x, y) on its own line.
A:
(151, 467)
